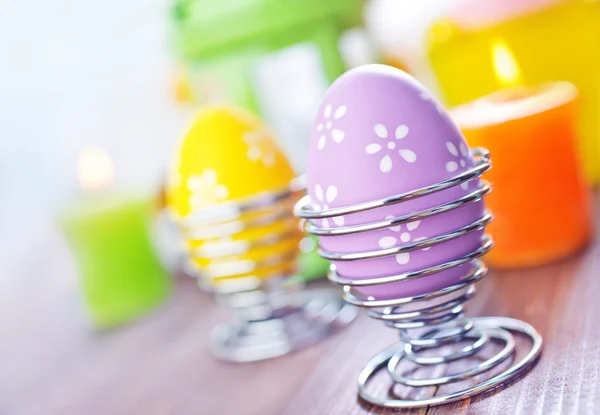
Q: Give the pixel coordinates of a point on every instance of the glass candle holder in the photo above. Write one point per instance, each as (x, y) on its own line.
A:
(541, 200)
(548, 41)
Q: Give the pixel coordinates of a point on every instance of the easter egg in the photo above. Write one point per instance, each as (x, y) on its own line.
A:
(228, 157)
(380, 133)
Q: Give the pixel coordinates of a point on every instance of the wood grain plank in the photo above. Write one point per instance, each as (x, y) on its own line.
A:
(54, 364)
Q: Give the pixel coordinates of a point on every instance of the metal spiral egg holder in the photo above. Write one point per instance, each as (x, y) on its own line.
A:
(432, 326)
(272, 312)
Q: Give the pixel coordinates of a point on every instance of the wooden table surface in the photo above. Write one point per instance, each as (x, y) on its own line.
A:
(52, 363)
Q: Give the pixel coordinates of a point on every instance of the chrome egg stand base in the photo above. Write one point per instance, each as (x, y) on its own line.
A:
(273, 314)
(274, 326)
(432, 327)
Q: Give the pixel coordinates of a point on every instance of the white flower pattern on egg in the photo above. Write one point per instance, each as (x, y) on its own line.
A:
(259, 147)
(405, 237)
(452, 165)
(325, 128)
(205, 189)
(388, 149)
(324, 198)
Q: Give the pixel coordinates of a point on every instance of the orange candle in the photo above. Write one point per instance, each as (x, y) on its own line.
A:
(540, 199)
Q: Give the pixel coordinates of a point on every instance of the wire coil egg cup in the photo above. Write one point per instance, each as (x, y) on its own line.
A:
(272, 312)
(436, 319)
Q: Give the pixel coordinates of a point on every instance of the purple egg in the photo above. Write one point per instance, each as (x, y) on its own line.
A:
(379, 133)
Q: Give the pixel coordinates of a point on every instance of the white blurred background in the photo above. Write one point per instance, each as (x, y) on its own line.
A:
(75, 74)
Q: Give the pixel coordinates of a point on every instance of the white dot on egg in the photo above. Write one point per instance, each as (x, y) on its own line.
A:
(403, 258)
(385, 165)
(413, 225)
(221, 192)
(372, 148)
(321, 143)
(194, 183)
(391, 145)
(380, 130)
(401, 131)
(337, 135)
(387, 242)
(462, 163)
(254, 153)
(339, 113)
(451, 148)
(331, 193)
(339, 220)
(408, 155)
(269, 159)
(405, 237)
(319, 192)
(328, 125)
(451, 166)
(209, 176)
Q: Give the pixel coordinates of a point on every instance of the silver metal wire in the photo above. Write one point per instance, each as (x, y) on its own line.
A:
(433, 328)
(244, 252)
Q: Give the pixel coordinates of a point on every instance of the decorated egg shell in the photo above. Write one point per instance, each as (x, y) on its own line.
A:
(227, 155)
(258, 261)
(380, 133)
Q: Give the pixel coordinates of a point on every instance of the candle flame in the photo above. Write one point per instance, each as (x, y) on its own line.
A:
(505, 65)
(95, 169)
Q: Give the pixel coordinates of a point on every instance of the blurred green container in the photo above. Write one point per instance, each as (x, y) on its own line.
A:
(274, 57)
(120, 276)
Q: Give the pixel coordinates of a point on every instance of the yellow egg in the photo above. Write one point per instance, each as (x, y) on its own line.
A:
(229, 156)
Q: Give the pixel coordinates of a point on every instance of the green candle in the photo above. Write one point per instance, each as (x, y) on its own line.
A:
(121, 277)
